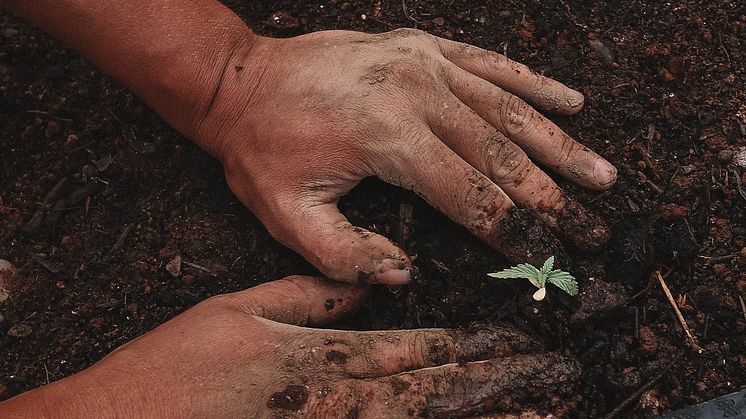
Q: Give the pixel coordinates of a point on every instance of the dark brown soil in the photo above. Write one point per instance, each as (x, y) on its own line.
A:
(97, 195)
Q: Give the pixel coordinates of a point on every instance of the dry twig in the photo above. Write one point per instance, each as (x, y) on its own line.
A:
(690, 338)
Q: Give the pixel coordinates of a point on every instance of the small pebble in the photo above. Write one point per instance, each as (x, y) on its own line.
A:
(20, 330)
(687, 169)
(71, 142)
(740, 158)
(652, 402)
(174, 266)
(7, 272)
(648, 341)
(725, 155)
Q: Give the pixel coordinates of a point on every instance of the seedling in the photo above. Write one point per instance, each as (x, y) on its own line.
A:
(539, 277)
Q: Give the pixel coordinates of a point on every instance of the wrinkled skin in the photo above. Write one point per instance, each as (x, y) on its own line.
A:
(297, 123)
(247, 354)
(440, 118)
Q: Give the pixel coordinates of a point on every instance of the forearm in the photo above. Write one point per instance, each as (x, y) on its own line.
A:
(109, 389)
(173, 54)
(75, 396)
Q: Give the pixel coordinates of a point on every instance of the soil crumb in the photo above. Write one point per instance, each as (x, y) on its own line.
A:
(523, 238)
(294, 397)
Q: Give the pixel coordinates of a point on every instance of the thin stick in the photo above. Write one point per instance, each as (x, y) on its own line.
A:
(636, 395)
(743, 306)
(201, 268)
(712, 259)
(691, 339)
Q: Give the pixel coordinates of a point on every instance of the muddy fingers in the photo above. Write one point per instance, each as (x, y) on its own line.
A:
(452, 390)
(299, 300)
(541, 138)
(340, 250)
(470, 198)
(382, 353)
(493, 154)
(547, 94)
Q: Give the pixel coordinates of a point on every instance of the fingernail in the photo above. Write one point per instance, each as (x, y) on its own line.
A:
(392, 272)
(523, 238)
(575, 99)
(583, 228)
(604, 172)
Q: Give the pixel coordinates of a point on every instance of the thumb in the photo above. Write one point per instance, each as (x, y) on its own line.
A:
(301, 300)
(341, 251)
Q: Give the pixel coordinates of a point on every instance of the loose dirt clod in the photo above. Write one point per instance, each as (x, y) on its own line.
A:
(599, 298)
(8, 273)
(582, 228)
(523, 238)
(20, 330)
(173, 267)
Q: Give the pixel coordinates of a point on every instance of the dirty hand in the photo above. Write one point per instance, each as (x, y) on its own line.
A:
(247, 354)
(299, 122)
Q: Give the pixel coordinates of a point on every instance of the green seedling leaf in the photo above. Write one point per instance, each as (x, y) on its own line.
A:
(564, 281)
(539, 277)
(548, 265)
(522, 271)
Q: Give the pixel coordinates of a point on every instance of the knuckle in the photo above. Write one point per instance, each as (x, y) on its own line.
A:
(494, 62)
(408, 32)
(517, 116)
(547, 94)
(568, 149)
(554, 199)
(509, 161)
(219, 303)
(479, 190)
(433, 348)
(484, 205)
(421, 72)
(342, 400)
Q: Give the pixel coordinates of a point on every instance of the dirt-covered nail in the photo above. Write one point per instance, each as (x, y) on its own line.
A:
(475, 388)
(480, 342)
(581, 227)
(574, 98)
(521, 237)
(392, 272)
(604, 173)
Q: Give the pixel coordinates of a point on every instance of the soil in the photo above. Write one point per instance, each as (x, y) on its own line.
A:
(98, 195)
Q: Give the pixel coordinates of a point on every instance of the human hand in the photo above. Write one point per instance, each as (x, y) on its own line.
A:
(299, 122)
(248, 354)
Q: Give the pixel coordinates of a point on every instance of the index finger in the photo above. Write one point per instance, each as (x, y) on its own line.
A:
(300, 300)
(543, 92)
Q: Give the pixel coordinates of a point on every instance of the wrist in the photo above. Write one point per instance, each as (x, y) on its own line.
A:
(190, 92)
(240, 86)
(80, 395)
